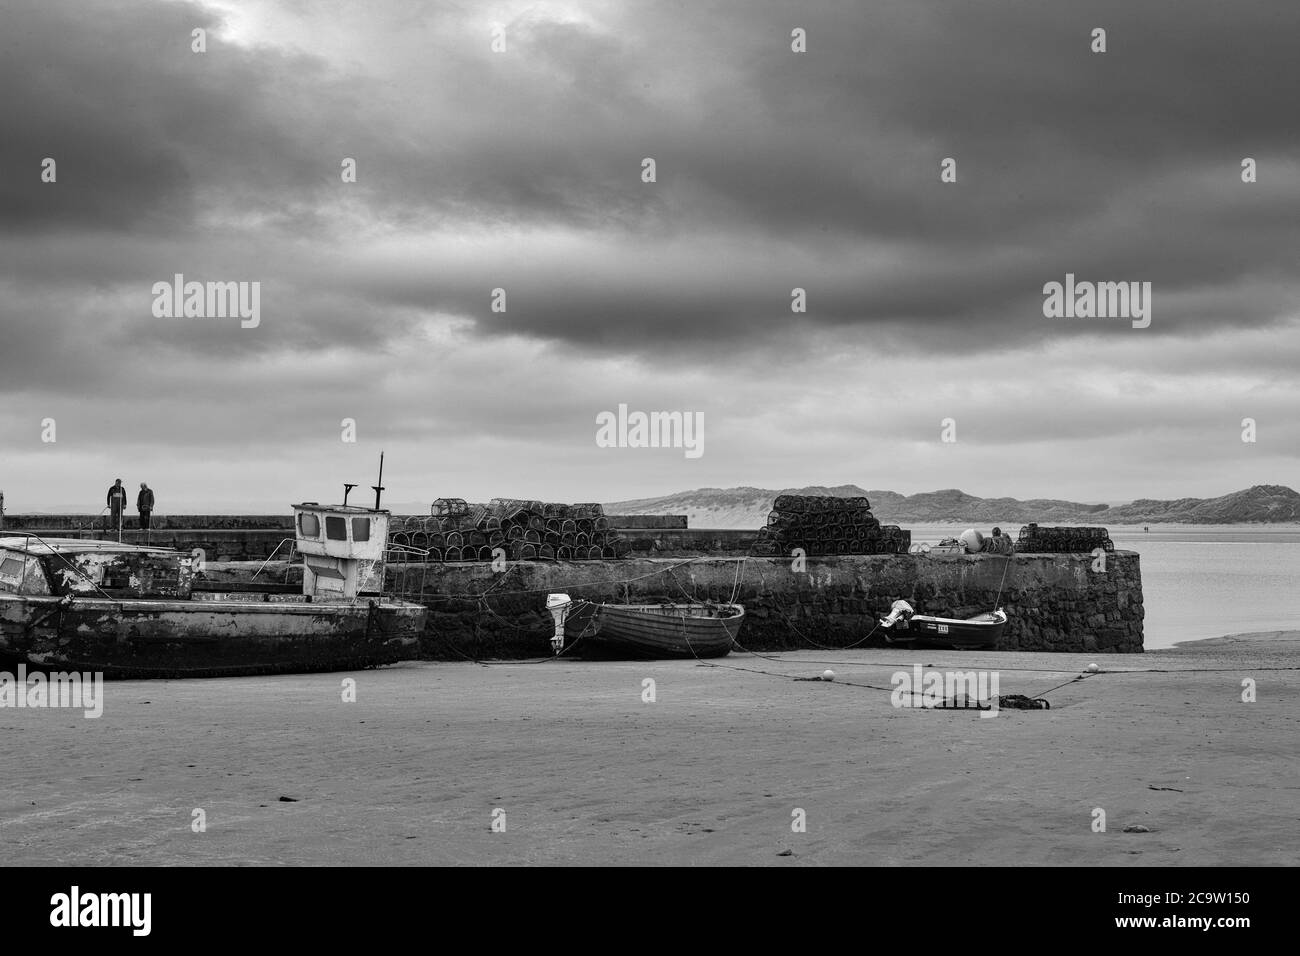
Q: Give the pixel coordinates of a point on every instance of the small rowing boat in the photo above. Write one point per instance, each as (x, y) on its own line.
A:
(644, 630)
(904, 626)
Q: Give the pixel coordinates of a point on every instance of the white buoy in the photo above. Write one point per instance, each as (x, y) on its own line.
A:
(1093, 668)
(828, 674)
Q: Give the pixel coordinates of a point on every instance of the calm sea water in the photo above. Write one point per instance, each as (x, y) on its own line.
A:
(1202, 581)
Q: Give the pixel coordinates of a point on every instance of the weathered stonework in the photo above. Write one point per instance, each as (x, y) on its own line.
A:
(1055, 602)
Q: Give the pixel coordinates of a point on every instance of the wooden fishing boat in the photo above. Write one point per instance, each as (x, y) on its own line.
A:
(644, 630)
(132, 611)
(905, 627)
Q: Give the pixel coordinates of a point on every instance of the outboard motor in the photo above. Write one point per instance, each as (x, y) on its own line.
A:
(559, 606)
(899, 610)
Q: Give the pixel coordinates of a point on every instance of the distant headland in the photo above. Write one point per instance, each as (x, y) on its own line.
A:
(748, 507)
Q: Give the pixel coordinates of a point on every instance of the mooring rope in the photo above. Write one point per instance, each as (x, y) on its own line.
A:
(997, 603)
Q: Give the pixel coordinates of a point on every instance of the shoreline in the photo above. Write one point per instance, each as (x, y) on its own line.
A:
(1286, 635)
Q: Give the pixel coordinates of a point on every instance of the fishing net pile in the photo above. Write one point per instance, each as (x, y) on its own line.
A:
(1038, 540)
(523, 530)
(827, 525)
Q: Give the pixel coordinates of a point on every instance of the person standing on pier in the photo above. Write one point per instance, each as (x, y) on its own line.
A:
(144, 505)
(116, 505)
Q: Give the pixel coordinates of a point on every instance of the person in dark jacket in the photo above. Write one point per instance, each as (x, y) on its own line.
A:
(116, 504)
(144, 505)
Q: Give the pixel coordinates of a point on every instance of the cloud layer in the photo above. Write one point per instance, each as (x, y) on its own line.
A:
(521, 170)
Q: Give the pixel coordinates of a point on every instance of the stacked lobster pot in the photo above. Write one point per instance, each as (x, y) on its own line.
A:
(828, 525)
(520, 529)
(1063, 540)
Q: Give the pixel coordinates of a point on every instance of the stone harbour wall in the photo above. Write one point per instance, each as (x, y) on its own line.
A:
(1054, 602)
(254, 537)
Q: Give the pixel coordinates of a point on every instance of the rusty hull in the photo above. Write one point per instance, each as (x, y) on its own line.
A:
(201, 638)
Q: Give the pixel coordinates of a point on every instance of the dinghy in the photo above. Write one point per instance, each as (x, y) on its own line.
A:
(904, 626)
(644, 630)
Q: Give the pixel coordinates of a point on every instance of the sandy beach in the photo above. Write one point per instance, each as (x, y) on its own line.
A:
(586, 772)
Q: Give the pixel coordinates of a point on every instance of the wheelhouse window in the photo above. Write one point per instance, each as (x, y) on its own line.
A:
(308, 525)
(360, 529)
(22, 574)
(336, 528)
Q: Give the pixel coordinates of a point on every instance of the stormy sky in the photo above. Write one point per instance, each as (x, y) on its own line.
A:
(522, 169)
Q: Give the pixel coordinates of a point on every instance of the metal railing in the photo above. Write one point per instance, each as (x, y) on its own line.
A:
(402, 589)
(270, 557)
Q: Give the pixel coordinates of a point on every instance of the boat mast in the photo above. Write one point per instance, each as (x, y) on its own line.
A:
(379, 488)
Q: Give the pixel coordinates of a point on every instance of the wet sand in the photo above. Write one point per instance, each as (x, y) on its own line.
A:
(588, 773)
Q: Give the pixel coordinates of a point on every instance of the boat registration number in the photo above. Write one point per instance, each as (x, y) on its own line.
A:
(942, 628)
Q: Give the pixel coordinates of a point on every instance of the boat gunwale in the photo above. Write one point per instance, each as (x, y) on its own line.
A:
(972, 622)
(208, 604)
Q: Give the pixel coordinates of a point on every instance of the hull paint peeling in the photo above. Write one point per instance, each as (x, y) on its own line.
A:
(148, 638)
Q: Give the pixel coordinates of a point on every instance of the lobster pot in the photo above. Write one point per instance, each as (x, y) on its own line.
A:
(563, 553)
(452, 554)
(400, 539)
(523, 551)
(1034, 538)
(550, 528)
(825, 525)
(449, 507)
(435, 554)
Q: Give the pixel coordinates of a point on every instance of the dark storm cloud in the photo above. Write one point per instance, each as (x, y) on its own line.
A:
(775, 169)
